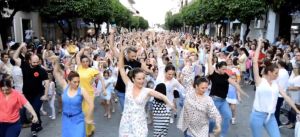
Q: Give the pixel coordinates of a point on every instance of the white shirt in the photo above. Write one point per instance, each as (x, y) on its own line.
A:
(17, 76)
(283, 79)
(6, 67)
(51, 89)
(266, 96)
(161, 70)
(171, 86)
(95, 64)
(170, 50)
(294, 81)
(218, 44)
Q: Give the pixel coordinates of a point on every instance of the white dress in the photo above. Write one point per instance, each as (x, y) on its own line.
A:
(133, 122)
(109, 84)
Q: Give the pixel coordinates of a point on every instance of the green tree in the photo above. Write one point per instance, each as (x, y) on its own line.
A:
(173, 22)
(143, 24)
(121, 14)
(96, 12)
(63, 11)
(167, 24)
(245, 11)
(191, 14)
(14, 6)
(134, 22)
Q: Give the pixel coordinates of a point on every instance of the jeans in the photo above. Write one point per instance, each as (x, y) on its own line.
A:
(10, 129)
(245, 75)
(226, 114)
(277, 112)
(52, 105)
(121, 96)
(258, 122)
(36, 103)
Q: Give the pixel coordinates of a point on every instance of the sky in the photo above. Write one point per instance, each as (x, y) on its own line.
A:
(153, 10)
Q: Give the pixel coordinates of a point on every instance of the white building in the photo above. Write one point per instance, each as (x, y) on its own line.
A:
(26, 21)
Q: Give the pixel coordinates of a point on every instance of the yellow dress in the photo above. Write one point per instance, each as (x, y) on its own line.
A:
(87, 76)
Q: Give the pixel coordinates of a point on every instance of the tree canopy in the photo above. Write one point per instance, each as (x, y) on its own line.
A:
(216, 11)
(93, 11)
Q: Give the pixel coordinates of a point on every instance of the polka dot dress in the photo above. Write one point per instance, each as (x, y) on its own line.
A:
(161, 119)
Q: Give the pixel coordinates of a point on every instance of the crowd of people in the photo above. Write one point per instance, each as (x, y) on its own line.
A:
(156, 77)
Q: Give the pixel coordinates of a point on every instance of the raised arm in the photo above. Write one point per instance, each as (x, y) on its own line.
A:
(121, 67)
(210, 58)
(58, 73)
(17, 54)
(79, 54)
(255, 64)
(112, 42)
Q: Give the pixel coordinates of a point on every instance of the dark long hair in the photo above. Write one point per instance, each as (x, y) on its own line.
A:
(132, 73)
(198, 80)
(161, 88)
(6, 83)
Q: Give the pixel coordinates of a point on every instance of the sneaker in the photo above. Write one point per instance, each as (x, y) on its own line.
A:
(233, 122)
(52, 117)
(281, 126)
(33, 134)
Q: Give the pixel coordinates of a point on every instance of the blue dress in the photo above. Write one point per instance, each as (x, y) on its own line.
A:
(232, 95)
(73, 124)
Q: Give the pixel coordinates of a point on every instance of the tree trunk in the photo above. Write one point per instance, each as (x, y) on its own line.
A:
(246, 32)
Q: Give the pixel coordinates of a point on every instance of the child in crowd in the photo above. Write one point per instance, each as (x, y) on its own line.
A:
(51, 96)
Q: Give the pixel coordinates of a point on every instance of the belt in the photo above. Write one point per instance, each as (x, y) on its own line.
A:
(71, 115)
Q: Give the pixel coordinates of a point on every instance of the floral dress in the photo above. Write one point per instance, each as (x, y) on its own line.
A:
(188, 78)
(134, 122)
(195, 115)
